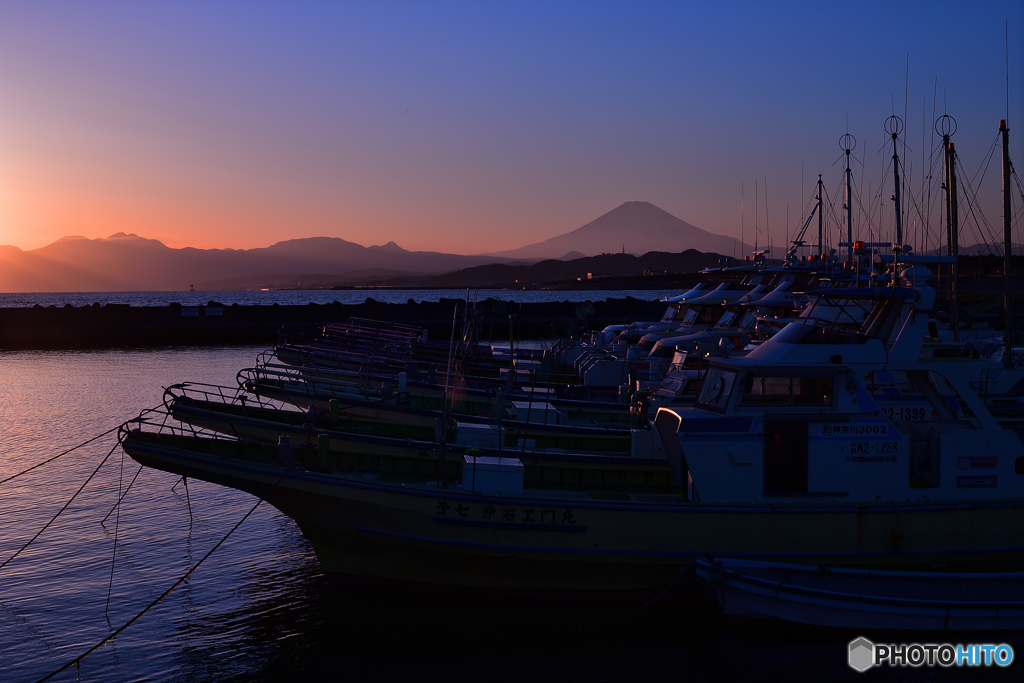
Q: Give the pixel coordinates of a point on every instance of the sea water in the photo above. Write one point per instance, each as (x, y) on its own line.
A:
(259, 609)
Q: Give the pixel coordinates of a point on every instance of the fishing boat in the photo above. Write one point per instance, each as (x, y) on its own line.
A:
(864, 599)
(790, 454)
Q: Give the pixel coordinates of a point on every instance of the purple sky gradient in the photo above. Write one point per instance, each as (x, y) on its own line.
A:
(475, 126)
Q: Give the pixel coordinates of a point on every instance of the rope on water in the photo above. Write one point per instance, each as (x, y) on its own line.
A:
(60, 455)
(54, 518)
(77, 660)
(117, 522)
(118, 503)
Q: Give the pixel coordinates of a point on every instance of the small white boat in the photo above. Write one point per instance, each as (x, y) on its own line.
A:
(863, 599)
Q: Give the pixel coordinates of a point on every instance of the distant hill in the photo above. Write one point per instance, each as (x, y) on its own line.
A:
(127, 262)
(982, 249)
(633, 227)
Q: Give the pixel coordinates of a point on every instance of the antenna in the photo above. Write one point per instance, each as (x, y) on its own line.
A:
(1008, 335)
(906, 109)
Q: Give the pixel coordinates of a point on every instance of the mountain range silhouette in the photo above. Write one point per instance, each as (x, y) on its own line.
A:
(128, 262)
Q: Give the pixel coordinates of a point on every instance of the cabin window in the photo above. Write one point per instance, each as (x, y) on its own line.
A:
(787, 390)
(670, 387)
(769, 390)
(715, 389)
(707, 315)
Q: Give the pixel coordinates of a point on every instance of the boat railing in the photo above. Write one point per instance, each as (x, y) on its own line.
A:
(215, 393)
(265, 356)
(185, 436)
(409, 330)
(295, 387)
(319, 355)
(314, 372)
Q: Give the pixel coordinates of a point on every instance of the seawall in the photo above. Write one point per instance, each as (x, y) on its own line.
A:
(116, 325)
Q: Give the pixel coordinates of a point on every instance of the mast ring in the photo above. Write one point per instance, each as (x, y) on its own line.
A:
(894, 125)
(945, 125)
(847, 143)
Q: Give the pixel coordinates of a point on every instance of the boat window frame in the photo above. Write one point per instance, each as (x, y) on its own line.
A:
(792, 372)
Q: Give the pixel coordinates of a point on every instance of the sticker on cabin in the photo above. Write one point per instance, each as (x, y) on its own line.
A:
(977, 481)
(983, 462)
(845, 430)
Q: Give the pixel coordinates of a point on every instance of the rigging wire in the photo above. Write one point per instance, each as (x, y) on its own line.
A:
(1020, 210)
(931, 162)
(987, 162)
(973, 211)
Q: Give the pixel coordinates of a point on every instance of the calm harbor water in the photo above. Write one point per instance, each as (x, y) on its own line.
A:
(318, 296)
(258, 609)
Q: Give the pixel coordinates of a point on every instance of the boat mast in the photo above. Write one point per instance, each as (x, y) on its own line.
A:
(1007, 248)
(894, 126)
(821, 193)
(946, 126)
(848, 143)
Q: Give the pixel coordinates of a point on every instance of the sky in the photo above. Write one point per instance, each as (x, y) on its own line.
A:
(471, 127)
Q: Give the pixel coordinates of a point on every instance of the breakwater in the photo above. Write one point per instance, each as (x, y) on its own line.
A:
(121, 325)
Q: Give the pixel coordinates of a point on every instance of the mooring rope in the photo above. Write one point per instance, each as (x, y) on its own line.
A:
(65, 507)
(118, 503)
(60, 455)
(77, 660)
(117, 522)
(70, 450)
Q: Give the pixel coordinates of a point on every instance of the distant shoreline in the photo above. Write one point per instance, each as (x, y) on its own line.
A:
(214, 324)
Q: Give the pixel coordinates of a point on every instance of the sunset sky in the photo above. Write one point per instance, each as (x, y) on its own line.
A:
(474, 126)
